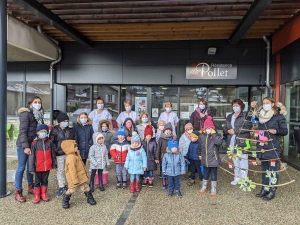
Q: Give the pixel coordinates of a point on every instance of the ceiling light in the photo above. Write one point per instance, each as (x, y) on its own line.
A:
(211, 51)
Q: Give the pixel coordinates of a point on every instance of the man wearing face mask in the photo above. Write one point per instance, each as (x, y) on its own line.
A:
(170, 117)
(58, 134)
(234, 123)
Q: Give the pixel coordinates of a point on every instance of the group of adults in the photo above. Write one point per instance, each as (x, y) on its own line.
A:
(270, 120)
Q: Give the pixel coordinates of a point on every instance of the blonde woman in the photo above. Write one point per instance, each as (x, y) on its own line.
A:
(128, 113)
(143, 121)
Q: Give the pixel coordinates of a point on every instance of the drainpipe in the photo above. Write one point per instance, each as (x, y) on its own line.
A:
(269, 90)
(52, 70)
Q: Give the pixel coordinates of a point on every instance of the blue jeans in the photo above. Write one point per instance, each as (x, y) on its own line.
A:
(267, 166)
(148, 174)
(173, 183)
(210, 171)
(134, 177)
(22, 161)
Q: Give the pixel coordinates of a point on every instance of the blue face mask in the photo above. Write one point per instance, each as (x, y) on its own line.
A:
(64, 124)
(100, 106)
(104, 129)
(202, 107)
(43, 135)
(83, 120)
(128, 108)
(144, 120)
(236, 109)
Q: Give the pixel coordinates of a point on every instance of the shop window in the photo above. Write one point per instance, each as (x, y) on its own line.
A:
(257, 94)
(14, 98)
(78, 100)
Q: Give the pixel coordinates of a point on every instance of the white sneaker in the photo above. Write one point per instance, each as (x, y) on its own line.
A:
(235, 181)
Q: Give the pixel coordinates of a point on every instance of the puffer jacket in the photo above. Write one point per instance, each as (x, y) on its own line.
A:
(209, 149)
(75, 171)
(136, 160)
(108, 136)
(58, 135)
(42, 157)
(98, 155)
(161, 148)
(173, 163)
(150, 148)
(238, 125)
(119, 151)
(193, 152)
(184, 143)
(197, 121)
(85, 137)
(27, 127)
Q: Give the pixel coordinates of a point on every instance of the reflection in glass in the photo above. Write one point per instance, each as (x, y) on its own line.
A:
(14, 98)
(138, 97)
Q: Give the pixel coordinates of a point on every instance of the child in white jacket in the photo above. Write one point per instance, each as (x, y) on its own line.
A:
(98, 156)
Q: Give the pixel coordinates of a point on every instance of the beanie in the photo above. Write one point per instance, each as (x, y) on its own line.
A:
(209, 123)
(135, 137)
(172, 143)
(168, 126)
(42, 127)
(195, 134)
(121, 131)
(148, 131)
(188, 126)
(62, 117)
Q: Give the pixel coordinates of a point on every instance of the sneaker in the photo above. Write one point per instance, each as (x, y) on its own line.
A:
(178, 193)
(170, 195)
(61, 191)
(235, 181)
(163, 187)
(118, 185)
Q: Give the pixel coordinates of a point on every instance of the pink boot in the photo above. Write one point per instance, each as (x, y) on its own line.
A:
(96, 179)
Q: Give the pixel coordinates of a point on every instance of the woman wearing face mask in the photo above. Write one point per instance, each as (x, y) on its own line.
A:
(143, 121)
(30, 117)
(170, 117)
(127, 113)
(234, 123)
(160, 127)
(99, 114)
(130, 128)
(199, 116)
(58, 134)
(84, 131)
(272, 125)
(185, 139)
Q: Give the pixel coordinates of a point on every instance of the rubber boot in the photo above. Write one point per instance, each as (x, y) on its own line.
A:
(19, 196)
(101, 183)
(37, 195)
(31, 189)
(44, 196)
(145, 182)
(131, 188)
(150, 183)
(263, 193)
(92, 184)
(96, 179)
(89, 198)
(105, 177)
(204, 187)
(137, 188)
(269, 196)
(164, 184)
(66, 201)
(213, 190)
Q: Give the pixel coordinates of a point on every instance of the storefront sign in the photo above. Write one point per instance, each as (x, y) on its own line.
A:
(211, 69)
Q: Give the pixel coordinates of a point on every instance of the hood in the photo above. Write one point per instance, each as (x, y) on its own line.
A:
(170, 152)
(23, 109)
(108, 123)
(95, 135)
(128, 118)
(89, 121)
(68, 146)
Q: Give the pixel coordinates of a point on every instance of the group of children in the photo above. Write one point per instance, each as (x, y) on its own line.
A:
(131, 153)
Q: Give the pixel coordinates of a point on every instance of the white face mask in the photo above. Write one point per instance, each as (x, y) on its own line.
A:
(267, 107)
(190, 131)
(168, 109)
(37, 106)
(161, 128)
(100, 106)
(208, 131)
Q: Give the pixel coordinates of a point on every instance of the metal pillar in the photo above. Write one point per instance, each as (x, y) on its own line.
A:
(3, 94)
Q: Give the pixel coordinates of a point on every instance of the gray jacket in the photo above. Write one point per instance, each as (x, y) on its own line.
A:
(98, 155)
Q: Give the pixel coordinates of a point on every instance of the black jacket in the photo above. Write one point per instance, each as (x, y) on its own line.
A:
(150, 149)
(27, 127)
(85, 138)
(58, 135)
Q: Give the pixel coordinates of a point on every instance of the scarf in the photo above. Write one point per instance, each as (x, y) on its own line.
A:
(265, 116)
(38, 115)
(165, 136)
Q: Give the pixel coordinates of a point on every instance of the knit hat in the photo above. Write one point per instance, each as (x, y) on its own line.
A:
(195, 134)
(168, 126)
(121, 131)
(135, 137)
(188, 126)
(209, 123)
(42, 127)
(62, 117)
(172, 143)
(99, 136)
(148, 131)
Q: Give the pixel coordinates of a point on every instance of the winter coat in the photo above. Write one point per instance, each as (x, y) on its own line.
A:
(150, 148)
(85, 137)
(42, 157)
(136, 160)
(75, 171)
(184, 143)
(119, 150)
(98, 155)
(58, 135)
(27, 127)
(173, 163)
(238, 125)
(141, 128)
(161, 148)
(193, 151)
(197, 121)
(209, 149)
(108, 136)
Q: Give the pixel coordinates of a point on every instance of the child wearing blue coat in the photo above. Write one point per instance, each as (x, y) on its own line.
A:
(136, 162)
(173, 165)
